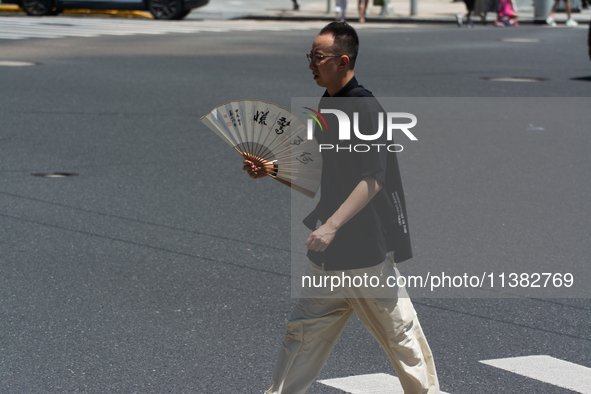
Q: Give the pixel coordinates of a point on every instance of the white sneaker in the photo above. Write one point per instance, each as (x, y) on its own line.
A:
(571, 23)
(550, 21)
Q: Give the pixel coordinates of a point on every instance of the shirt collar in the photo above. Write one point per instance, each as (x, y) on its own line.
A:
(352, 84)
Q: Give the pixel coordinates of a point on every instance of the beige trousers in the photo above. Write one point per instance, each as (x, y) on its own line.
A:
(317, 323)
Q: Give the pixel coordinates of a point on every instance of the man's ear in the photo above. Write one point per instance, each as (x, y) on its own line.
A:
(344, 63)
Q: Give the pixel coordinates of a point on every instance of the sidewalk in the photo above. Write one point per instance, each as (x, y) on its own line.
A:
(428, 11)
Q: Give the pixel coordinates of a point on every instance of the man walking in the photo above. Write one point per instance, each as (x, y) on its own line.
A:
(362, 233)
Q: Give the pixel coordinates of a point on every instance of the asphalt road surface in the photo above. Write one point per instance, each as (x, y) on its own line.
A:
(161, 267)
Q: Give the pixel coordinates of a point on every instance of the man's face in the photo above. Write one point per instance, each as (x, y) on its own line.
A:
(326, 71)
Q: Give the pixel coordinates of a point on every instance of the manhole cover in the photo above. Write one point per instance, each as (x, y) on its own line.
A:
(520, 40)
(54, 174)
(514, 79)
(12, 63)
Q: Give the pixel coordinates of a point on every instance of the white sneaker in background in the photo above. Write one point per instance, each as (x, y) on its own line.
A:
(571, 23)
(550, 21)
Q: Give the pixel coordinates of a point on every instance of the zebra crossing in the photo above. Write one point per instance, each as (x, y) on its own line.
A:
(544, 368)
(549, 370)
(16, 28)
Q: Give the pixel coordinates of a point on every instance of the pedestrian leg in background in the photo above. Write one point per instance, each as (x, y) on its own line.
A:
(480, 9)
(569, 21)
(470, 9)
(483, 7)
(296, 6)
(362, 6)
(341, 9)
(589, 41)
(506, 14)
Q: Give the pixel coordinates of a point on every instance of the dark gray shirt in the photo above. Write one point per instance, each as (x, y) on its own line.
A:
(381, 226)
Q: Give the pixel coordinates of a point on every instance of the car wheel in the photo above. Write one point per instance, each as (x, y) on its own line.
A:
(38, 7)
(166, 9)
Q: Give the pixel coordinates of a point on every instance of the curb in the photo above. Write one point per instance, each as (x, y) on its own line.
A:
(326, 18)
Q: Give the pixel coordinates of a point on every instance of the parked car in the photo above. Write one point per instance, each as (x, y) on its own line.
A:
(161, 9)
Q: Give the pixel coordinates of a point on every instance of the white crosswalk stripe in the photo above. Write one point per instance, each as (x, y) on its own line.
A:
(549, 370)
(376, 383)
(14, 28)
(543, 368)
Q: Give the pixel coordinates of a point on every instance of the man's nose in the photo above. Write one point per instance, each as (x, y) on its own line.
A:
(312, 66)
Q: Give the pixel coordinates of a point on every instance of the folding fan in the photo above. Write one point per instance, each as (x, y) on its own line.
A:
(265, 132)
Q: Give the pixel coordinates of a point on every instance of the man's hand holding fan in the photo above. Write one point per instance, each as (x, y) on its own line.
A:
(272, 141)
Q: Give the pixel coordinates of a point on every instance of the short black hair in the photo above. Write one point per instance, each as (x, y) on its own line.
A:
(346, 41)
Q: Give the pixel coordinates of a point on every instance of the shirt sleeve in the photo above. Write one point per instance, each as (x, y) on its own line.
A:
(373, 161)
